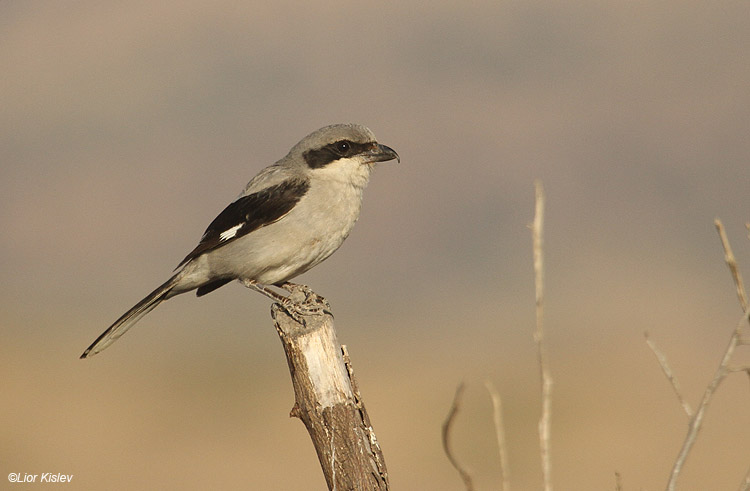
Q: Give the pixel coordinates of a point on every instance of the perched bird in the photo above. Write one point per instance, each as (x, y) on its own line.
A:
(290, 217)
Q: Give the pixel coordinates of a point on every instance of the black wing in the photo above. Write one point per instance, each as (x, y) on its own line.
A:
(249, 213)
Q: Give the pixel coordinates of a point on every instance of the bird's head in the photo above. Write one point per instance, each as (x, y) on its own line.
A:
(342, 152)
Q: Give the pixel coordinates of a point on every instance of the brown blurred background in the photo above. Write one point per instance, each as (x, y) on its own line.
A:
(125, 128)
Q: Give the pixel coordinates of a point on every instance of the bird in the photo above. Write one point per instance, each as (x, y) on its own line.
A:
(289, 218)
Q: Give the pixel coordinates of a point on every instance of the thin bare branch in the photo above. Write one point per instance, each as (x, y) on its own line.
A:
(697, 421)
(661, 357)
(497, 416)
(745, 485)
(465, 475)
(546, 378)
(732, 263)
(723, 369)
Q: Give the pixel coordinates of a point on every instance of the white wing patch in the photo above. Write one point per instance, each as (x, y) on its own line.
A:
(228, 234)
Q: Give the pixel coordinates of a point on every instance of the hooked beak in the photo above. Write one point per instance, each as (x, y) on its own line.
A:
(381, 153)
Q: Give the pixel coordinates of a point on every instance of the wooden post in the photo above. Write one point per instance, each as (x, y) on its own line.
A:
(328, 402)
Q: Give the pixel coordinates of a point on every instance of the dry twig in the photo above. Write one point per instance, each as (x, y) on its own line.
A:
(732, 263)
(661, 357)
(465, 475)
(745, 486)
(697, 421)
(545, 419)
(722, 371)
(497, 414)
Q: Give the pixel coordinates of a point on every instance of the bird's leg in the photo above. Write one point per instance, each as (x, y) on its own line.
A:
(254, 285)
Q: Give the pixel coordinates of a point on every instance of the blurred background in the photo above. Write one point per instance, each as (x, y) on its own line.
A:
(126, 127)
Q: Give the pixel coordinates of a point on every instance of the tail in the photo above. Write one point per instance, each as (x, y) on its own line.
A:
(130, 317)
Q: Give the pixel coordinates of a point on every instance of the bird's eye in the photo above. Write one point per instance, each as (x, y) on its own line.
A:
(343, 146)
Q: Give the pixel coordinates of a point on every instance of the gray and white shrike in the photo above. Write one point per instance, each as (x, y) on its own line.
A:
(290, 217)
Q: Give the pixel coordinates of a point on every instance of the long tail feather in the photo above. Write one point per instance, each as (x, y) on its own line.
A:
(129, 318)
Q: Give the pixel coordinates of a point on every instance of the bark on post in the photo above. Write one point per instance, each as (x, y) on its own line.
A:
(328, 402)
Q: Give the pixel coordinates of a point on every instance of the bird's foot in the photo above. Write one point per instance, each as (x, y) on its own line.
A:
(301, 302)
